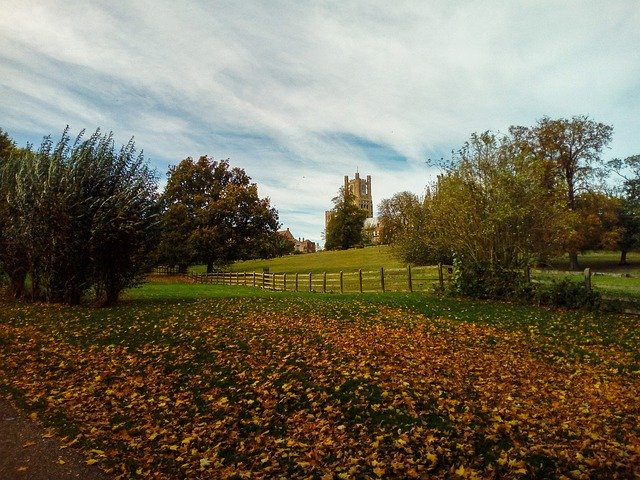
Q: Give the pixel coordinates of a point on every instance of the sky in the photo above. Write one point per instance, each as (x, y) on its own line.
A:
(301, 93)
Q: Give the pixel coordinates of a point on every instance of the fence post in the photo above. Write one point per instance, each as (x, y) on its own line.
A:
(310, 284)
(341, 284)
(360, 275)
(382, 278)
(324, 282)
(296, 281)
(254, 278)
(527, 273)
(409, 277)
(440, 276)
(587, 278)
(284, 283)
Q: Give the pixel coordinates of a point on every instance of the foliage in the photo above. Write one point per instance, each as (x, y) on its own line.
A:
(567, 293)
(629, 206)
(284, 386)
(492, 211)
(80, 216)
(12, 260)
(212, 214)
(570, 149)
(344, 229)
(406, 225)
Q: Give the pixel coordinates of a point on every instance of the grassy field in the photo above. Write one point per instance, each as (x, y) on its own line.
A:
(369, 258)
(208, 381)
(610, 278)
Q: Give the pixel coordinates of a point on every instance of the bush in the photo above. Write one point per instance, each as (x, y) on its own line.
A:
(485, 281)
(568, 294)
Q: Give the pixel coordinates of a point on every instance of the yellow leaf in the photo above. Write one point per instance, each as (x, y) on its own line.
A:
(92, 461)
(432, 457)
(61, 461)
(379, 471)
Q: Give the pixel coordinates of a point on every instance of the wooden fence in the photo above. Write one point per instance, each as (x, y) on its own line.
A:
(409, 279)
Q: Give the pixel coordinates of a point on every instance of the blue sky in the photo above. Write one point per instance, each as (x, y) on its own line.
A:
(300, 94)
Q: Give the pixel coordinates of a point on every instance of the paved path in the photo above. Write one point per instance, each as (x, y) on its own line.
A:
(26, 454)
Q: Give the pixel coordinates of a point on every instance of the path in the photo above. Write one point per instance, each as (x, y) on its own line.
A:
(26, 454)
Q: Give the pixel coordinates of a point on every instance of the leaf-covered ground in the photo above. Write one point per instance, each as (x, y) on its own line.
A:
(297, 387)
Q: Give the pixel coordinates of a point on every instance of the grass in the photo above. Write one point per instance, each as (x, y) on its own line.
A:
(214, 381)
(610, 278)
(368, 258)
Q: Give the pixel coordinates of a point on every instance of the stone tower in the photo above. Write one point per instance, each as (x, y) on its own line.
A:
(361, 191)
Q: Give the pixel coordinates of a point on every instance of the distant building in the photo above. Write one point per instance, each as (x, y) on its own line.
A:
(361, 192)
(299, 245)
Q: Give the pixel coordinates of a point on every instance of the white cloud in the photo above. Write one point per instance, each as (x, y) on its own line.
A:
(278, 86)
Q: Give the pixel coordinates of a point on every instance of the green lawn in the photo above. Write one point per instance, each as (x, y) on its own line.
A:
(369, 258)
(610, 278)
(210, 381)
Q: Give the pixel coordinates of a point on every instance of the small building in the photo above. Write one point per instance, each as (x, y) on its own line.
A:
(299, 245)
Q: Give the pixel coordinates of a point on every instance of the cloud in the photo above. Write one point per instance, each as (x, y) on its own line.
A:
(302, 93)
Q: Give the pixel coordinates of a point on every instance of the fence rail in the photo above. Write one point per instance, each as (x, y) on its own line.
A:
(408, 279)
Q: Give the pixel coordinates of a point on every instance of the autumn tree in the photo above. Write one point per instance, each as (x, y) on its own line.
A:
(570, 149)
(344, 228)
(490, 211)
(405, 225)
(212, 214)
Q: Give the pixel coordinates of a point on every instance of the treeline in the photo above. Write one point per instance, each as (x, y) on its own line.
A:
(81, 216)
(508, 201)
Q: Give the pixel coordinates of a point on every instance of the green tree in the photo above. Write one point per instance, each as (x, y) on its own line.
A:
(344, 228)
(12, 252)
(492, 212)
(83, 215)
(212, 214)
(629, 212)
(570, 148)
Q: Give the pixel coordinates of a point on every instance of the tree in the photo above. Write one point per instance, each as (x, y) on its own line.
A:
(212, 214)
(81, 217)
(629, 211)
(571, 149)
(344, 228)
(491, 212)
(12, 251)
(396, 215)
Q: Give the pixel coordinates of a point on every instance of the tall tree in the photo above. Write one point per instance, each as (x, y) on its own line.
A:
(213, 214)
(13, 262)
(82, 215)
(571, 149)
(629, 213)
(344, 229)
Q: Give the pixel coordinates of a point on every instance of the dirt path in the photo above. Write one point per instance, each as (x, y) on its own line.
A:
(26, 454)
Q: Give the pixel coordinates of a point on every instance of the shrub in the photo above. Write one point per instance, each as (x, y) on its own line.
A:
(568, 294)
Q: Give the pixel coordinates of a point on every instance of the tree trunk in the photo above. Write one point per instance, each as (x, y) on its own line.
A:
(111, 295)
(573, 261)
(623, 258)
(209, 267)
